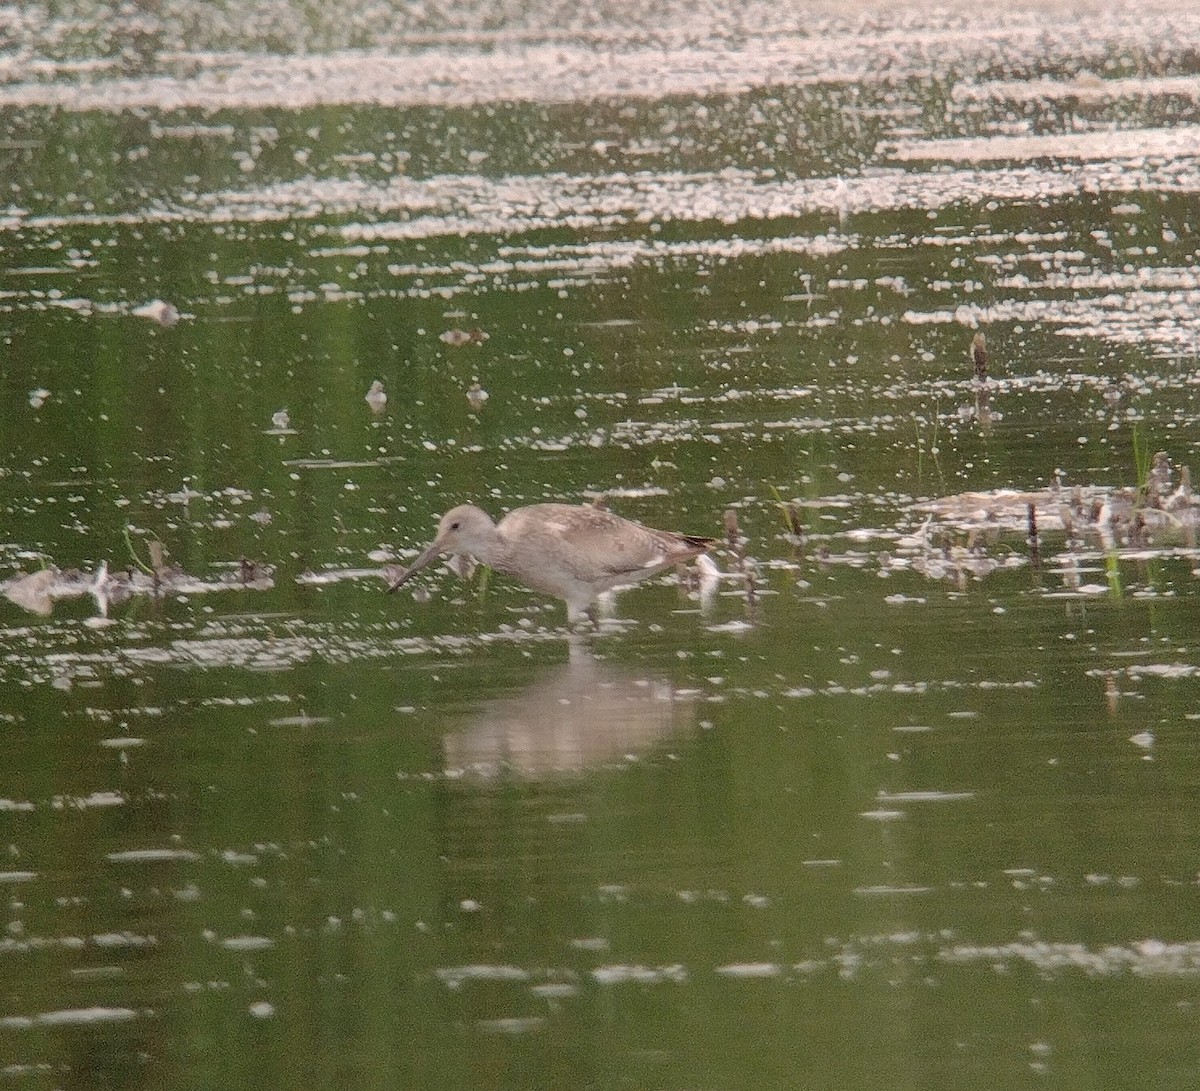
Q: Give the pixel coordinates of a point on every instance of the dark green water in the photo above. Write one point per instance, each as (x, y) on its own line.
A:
(909, 809)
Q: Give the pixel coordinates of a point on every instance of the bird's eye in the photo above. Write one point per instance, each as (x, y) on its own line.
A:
(454, 525)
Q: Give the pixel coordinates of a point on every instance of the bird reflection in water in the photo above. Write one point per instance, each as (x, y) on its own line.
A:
(579, 716)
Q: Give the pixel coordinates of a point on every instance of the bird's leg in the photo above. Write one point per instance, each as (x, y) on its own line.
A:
(577, 615)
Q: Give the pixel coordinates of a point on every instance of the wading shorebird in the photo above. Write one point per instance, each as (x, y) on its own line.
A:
(572, 551)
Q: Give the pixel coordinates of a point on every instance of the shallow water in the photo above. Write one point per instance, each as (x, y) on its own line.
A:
(895, 802)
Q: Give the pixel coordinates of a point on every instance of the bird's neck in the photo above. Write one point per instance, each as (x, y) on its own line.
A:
(493, 551)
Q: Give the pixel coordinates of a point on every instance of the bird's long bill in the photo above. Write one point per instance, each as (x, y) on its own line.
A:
(431, 553)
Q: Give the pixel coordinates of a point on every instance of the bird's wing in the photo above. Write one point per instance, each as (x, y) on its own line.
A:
(591, 541)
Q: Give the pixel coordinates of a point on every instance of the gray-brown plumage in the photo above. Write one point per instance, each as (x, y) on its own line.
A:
(574, 552)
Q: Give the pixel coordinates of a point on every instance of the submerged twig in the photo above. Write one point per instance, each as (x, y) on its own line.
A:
(733, 533)
(979, 356)
(1035, 556)
(736, 542)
